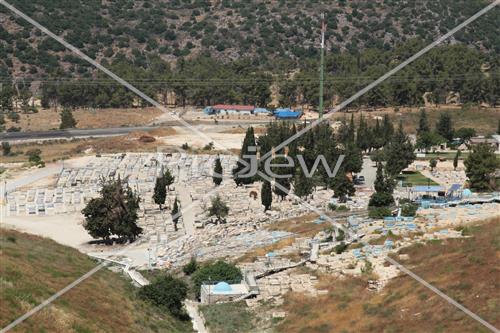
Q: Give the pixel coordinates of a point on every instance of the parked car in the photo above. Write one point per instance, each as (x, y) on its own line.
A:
(359, 180)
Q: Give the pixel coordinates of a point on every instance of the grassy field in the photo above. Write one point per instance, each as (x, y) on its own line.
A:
(49, 119)
(34, 268)
(228, 318)
(416, 178)
(465, 269)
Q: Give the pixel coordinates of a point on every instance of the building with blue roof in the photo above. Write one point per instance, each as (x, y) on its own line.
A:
(222, 287)
(222, 291)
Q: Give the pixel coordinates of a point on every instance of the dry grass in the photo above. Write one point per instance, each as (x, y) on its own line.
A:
(259, 130)
(48, 119)
(63, 149)
(465, 269)
(34, 268)
(303, 226)
(484, 120)
(251, 256)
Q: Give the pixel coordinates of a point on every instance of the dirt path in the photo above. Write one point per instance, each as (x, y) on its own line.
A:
(198, 323)
(186, 201)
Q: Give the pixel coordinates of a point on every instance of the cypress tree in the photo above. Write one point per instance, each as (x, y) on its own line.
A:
(160, 191)
(240, 169)
(353, 160)
(266, 195)
(399, 153)
(384, 187)
(351, 130)
(218, 172)
(377, 136)
(67, 119)
(455, 160)
(444, 126)
(161, 187)
(342, 185)
(302, 185)
(175, 213)
(363, 139)
(168, 179)
(343, 132)
(284, 183)
(382, 183)
(423, 123)
(387, 130)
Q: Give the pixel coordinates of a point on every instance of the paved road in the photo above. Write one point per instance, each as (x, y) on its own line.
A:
(32, 177)
(102, 132)
(71, 133)
(369, 171)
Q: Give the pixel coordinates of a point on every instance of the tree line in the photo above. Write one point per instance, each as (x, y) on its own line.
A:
(392, 147)
(205, 80)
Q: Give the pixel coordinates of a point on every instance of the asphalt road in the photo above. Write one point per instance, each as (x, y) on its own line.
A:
(71, 133)
(102, 132)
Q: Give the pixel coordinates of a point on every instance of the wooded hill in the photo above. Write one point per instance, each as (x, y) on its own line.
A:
(233, 51)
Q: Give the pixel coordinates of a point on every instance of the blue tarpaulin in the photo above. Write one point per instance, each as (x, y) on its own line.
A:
(287, 114)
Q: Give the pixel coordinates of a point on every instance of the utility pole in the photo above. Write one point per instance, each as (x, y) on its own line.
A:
(321, 72)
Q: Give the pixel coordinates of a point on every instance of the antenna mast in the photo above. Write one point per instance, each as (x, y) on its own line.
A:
(321, 71)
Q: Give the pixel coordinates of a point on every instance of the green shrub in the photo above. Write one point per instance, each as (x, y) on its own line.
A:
(379, 212)
(340, 248)
(168, 292)
(340, 236)
(342, 208)
(218, 271)
(381, 199)
(190, 267)
(409, 209)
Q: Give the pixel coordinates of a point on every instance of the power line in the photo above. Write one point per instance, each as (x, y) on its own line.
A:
(225, 82)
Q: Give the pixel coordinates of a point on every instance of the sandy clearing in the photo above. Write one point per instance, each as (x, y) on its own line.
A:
(64, 229)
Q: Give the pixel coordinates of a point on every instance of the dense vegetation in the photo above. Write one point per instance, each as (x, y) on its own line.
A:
(167, 292)
(113, 213)
(264, 30)
(311, 160)
(233, 51)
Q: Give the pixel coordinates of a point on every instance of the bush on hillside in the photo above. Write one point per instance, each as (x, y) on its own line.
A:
(215, 272)
(167, 292)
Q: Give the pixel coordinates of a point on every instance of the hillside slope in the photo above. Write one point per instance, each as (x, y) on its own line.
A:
(34, 268)
(262, 29)
(465, 269)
